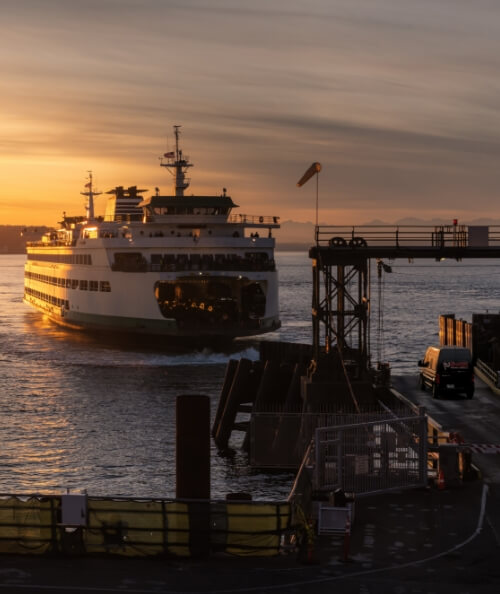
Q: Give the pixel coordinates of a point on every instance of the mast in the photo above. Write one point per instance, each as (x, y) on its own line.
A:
(179, 166)
(90, 194)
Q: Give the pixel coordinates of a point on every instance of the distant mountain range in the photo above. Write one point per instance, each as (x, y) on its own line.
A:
(13, 238)
(415, 221)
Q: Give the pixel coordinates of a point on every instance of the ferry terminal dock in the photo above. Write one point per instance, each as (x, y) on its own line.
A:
(415, 540)
(454, 548)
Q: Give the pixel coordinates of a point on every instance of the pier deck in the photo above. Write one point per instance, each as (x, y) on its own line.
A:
(346, 244)
(341, 273)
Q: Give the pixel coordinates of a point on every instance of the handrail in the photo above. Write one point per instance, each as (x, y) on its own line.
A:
(266, 221)
(395, 236)
(488, 372)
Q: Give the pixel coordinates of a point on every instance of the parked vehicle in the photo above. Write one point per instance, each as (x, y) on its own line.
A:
(447, 369)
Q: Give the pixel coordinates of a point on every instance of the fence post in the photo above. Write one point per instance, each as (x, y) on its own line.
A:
(347, 537)
(424, 444)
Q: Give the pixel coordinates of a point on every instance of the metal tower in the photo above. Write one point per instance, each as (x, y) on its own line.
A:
(341, 306)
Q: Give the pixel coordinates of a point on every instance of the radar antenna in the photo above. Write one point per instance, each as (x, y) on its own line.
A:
(90, 193)
(180, 165)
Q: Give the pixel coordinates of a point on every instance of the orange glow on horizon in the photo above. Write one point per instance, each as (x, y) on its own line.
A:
(375, 92)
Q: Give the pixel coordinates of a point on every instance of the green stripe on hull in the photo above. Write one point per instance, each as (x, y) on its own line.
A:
(82, 321)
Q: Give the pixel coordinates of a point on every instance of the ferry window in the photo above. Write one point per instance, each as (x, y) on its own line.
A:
(68, 283)
(83, 285)
(130, 262)
(74, 284)
(105, 286)
(93, 286)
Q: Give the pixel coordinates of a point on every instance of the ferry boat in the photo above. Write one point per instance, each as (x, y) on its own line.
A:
(177, 265)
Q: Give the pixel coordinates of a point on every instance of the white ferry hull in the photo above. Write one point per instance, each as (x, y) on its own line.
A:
(150, 327)
(138, 310)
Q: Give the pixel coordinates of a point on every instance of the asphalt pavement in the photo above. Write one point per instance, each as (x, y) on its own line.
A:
(415, 541)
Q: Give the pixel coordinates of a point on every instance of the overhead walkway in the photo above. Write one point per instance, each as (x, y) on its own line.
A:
(343, 244)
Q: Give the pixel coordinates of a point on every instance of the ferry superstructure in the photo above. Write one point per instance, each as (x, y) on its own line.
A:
(172, 265)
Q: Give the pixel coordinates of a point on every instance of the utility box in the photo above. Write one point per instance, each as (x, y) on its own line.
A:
(334, 520)
(74, 510)
(478, 236)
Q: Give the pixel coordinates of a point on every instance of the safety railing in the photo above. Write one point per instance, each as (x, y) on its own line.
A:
(254, 220)
(204, 263)
(38, 524)
(395, 236)
(490, 374)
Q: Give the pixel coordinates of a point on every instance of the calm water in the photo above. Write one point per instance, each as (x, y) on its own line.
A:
(81, 414)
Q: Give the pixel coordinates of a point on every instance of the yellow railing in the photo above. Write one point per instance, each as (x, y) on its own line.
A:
(32, 524)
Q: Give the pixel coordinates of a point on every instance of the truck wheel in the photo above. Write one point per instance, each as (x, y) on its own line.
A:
(435, 391)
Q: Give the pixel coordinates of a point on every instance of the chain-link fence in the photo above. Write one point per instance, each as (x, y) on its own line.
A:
(373, 456)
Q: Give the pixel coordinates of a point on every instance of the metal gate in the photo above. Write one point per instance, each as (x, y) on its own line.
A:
(372, 457)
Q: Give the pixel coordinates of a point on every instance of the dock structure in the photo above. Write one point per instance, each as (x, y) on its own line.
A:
(323, 409)
(295, 387)
(341, 281)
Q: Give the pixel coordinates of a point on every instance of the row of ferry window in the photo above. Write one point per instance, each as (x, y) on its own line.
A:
(63, 258)
(47, 298)
(70, 283)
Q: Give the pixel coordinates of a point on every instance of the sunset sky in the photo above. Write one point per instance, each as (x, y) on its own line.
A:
(398, 100)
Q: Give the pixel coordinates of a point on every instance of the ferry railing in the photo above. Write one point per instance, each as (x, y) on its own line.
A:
(52, 243)
(395, 236)
(243, 265)
(254, 220)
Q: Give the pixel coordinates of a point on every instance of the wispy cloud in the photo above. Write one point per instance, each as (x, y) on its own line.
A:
(398, 100)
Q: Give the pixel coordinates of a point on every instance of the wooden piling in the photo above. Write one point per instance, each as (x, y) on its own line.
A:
(293, 401)
(287, 432)
(226, 387)
(232, 404)
(268, 385)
